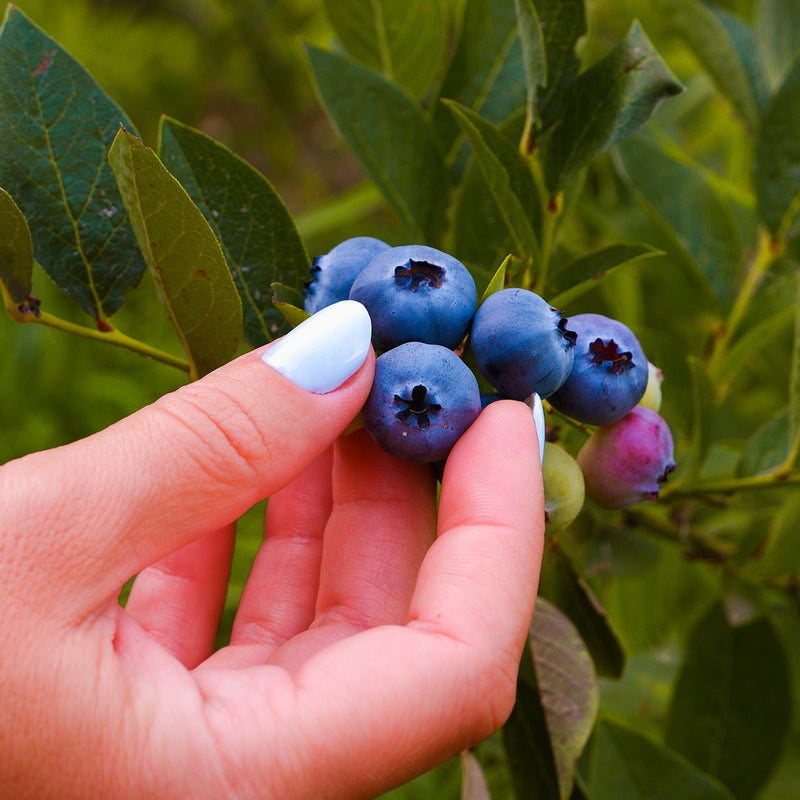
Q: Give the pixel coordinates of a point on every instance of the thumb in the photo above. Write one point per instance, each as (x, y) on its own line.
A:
(193, 461)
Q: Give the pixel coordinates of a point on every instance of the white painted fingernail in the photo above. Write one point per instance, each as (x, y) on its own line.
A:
(321, 353)
(535, 402)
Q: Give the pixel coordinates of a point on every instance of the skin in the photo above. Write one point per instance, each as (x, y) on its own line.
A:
(373, 640)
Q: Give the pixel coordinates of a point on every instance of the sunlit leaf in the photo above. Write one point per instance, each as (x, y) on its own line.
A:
(56, 125)
(289, 303)
(256, 231)
(391, 137)
(183, 255)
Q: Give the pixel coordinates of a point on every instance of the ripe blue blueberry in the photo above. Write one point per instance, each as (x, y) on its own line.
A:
(627, 462)
(609, 374)
(521, 345)
(416, 293)
(333, 274)
(423, 398)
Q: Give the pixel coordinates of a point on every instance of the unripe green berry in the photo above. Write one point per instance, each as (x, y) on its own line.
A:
(563, 487)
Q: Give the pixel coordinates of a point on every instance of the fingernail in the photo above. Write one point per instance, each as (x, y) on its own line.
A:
(535, 402)
(321, 353)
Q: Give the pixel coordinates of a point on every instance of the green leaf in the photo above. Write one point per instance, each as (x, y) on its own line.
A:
(700, 222)
(561, 584)
(778, 29)
(782, 554)
(582, 274)
(16, 252)
(722, 50)
(499, 163)
(56, 126)
(626, 764)
(404, 40)
(498, 280)
(777, 156)
(731, 706)
(183, 255)
(526, 739)
(256, 231)
(606, 103)
(289, 303)
(484, 71)
(563, 24)
(567, 686)
(704, 418)
(794, 385)
(534, 62)
(389, 134)
(768, 447)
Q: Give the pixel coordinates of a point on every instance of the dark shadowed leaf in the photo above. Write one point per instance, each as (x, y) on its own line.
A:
(782, 553)
(726, 48)
(16, 252)
(767, 447)
(404, 40)
(606, 103)
(702, 222)
(56, 126)
(565, 588)
(777, 158)
(257, 234)
(391, 137)
(622, 763)
(183, 255)
(503, 170)
(582, 274)
(731, 707)
(778, 26)
(704, 418)
(485, 71)
(567, 686)
(563, 24)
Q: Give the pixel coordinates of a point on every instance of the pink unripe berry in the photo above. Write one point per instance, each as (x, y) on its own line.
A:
(627, 462)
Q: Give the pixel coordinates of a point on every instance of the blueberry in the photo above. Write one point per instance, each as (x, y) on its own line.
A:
(423, 398)
(609, 374)
(416, 293)
(333, 274)
(627, 462)
(521, 345)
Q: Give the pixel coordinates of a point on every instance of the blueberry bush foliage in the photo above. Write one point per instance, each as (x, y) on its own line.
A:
(662, 190)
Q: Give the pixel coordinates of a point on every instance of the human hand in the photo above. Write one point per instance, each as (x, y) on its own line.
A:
(358, 658)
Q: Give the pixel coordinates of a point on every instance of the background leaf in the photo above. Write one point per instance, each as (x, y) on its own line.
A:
(606, 103)
(729, 712)
(534, 63)
(778, 28)
(625, 764)
(183, 255)
(483, 73)
(390, 136)
(404, 40)
(16, 251)
(256, 231)
(777, 157)
(56, 126)
(702, 222)
(724, 49)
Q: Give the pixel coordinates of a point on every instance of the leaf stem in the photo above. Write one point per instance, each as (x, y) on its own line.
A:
(112, 337)
(777, 478)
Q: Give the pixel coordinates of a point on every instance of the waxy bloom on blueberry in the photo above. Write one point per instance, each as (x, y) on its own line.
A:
(609, 374)
(423, 398)
(333, 274)
(627, 462)
(521, 344)
(416, 294)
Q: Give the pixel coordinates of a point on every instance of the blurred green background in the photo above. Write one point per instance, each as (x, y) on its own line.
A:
(236, 70)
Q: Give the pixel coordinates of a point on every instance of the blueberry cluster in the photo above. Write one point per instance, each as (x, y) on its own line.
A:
(424, 309)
